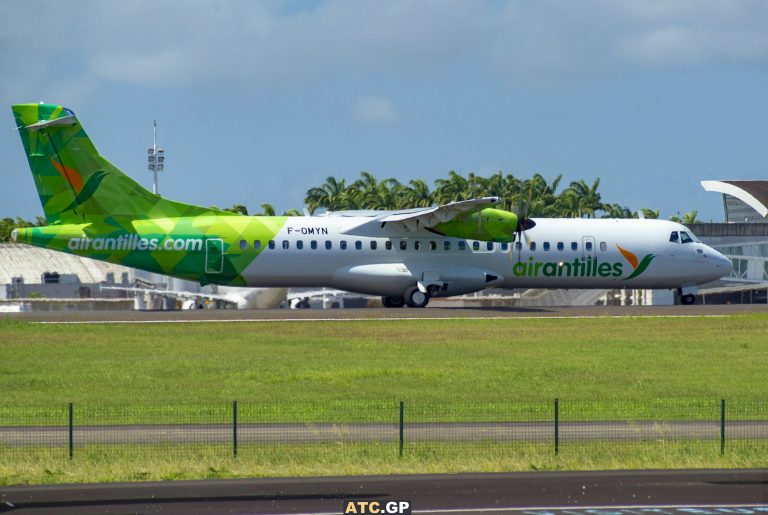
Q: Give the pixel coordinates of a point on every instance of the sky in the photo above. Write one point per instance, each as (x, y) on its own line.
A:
(258, 101)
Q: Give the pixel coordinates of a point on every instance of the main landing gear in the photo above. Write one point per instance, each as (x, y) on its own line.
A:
(413, 297)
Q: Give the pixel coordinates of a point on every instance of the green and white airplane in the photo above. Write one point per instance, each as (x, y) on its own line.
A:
(407, 257)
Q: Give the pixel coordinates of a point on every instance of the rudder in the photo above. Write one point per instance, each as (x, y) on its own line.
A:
(74, 182)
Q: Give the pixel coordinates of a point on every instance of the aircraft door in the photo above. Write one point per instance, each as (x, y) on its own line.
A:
(214, 255)
(588, 247)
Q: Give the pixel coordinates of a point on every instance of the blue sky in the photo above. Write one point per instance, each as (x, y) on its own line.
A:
(259, 101)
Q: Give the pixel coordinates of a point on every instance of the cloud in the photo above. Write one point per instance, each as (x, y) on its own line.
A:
(181, 42)
(373, 110)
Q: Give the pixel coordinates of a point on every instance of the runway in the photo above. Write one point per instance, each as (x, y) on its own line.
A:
(712, 492)
(429, 313)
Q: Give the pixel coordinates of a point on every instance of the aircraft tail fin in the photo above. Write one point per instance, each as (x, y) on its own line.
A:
(74, 182)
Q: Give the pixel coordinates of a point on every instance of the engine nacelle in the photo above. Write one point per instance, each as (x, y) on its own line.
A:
(488, 224)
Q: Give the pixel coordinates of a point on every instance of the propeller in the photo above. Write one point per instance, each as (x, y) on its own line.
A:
(523, 222)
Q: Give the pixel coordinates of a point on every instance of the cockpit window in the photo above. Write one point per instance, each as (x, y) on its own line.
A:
(673, 237)
(685, 238)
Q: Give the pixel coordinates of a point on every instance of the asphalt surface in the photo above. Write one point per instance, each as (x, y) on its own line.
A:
(569, 432)
(573, 493)
(226, 315)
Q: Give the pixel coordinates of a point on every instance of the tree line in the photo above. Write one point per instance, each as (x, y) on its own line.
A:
(542, 198)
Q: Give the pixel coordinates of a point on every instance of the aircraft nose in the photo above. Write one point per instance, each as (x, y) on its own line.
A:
(723, 265)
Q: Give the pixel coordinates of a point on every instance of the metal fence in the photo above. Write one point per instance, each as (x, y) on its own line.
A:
(559, 427)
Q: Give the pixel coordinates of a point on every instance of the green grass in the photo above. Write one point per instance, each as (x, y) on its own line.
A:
(145, 463)
(447, 370)
(420, 362)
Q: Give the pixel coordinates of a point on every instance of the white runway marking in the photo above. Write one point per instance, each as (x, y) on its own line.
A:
(367, 319)
(642, 509)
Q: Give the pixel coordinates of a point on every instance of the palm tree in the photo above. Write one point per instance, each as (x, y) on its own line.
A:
(267, 210)
(650, 213)
(238, 208)
(616, 211)
(416, 194)
(690, 217)
(452, 189)
(331, 195)
(589, 198)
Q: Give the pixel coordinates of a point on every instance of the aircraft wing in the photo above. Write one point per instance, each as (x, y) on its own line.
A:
(415, 219)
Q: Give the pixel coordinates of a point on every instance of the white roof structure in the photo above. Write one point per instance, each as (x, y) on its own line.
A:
(19, 260)
(752, 193)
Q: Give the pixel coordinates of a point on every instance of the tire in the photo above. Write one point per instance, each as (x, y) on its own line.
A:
(415, 298)
(393, 302)
(687, 300)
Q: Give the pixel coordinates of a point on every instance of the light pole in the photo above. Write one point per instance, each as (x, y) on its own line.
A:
(155, 158)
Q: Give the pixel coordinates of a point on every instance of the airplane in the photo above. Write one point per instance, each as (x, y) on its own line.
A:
(239, 297)
(407, 256)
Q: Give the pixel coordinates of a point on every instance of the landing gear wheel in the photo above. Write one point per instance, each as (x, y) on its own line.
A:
(688, 299)
(393, 302)
(415, 298)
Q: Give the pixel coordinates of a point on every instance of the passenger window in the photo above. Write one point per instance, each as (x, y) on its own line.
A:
(489, 246)
(603, 246)
(313, 244)
(271, 244)
(684, 238)
(243, 244)
(373, 245)
(588, 245)
(358, 245)
(673, 237)
(432, 245)
(328, 244)
(256, 244)
(574, 245)
(519, 245)
(560, 246)
(417, 245)
(532, 246)
(475, 245)
(446, 245)
(462, 245)
(299, 244)
(545, 245)
(504, 247)
(343, 244)
(285, 244)
(388, 244)
(403, 244)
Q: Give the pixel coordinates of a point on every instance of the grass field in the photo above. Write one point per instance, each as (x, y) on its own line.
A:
(446, 361)
(146, 464)
(310, 371)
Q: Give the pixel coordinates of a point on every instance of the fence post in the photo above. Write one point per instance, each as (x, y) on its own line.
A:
(234, 428)
(402, 424)
(722, 427)
(71, 439)
(557, 426)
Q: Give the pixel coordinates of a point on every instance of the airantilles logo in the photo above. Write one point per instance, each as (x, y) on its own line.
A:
(83, 192)
(580, 267)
